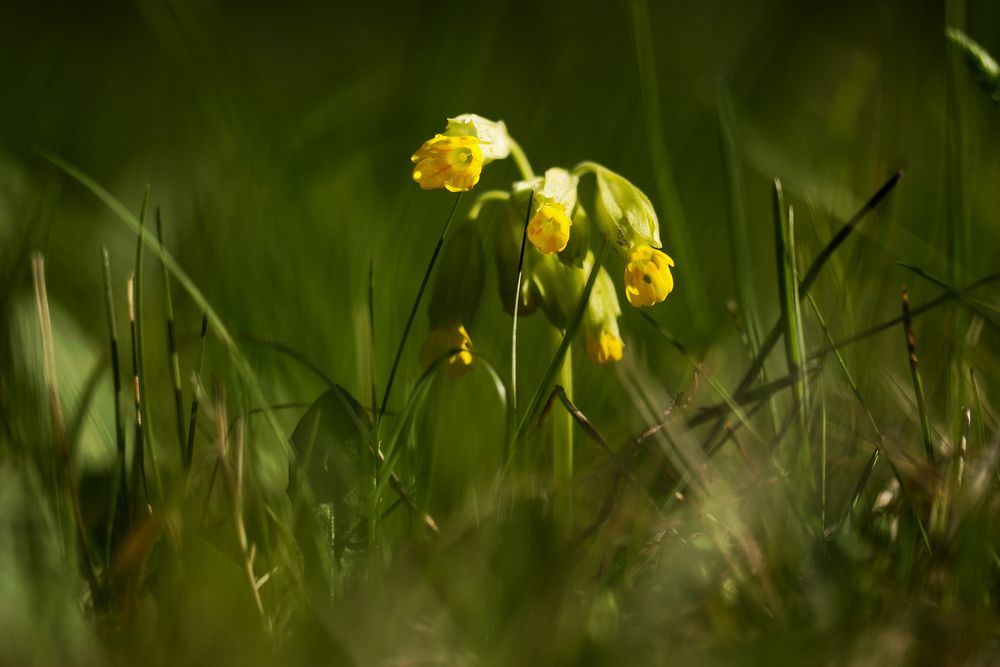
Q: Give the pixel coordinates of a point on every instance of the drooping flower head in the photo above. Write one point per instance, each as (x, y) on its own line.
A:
(454, 159)
(604, 348)
(648, 280)
(627, 218)
(553, 205)
(548, 229)
(448, 338)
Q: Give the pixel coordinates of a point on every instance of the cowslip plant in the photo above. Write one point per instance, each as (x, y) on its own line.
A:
(545, 213)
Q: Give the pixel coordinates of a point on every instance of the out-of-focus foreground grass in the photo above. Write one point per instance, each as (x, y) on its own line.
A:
(275, 142)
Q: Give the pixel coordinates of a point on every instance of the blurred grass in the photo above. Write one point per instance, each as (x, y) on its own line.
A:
(275, 141)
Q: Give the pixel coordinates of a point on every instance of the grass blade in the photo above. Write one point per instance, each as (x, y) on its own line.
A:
(240, 362)
(193, 420)
(59, 433)
(172, 358)
(791, 314)
(116, 378)
(807, 281)
(918, 385)
(413, 312)
(517, 303)
(142, 409)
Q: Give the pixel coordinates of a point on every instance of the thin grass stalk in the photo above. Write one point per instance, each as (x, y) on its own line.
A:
(918, 384)
(987, 311)
(193, 420)
(61, 441)
(116, 376)
(142, 406)
(413, 313)
(791, 314)
(517, 303)
(896, 321)
(138, 476)
(172, 356)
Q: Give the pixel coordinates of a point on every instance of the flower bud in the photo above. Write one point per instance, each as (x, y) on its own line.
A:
(448, 338)
(648, 279)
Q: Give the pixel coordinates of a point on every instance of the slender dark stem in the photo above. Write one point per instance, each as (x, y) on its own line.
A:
(193, 422)
(517, 303)
(116, 377)
(918, 385)
(413, 313)
(175, 368)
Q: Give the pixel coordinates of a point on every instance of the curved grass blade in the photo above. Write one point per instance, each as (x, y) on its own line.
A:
(413, 313)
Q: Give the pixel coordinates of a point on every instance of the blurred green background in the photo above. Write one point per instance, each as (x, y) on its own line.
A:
(275, 138)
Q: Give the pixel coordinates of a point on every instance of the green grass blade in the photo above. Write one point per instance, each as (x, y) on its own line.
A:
(413, 312)
(172, 358)
(193, 419)
(918, 385)
(791, 315)
(812, 273)
(517, 303)
(987, 311)
(116, 375)
(142, 395)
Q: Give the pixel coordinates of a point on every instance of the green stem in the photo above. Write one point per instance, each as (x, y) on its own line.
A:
(413, 314)
(521, 160)
(562, 450)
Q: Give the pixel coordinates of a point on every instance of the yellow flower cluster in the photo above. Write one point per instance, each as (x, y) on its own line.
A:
(557, 227)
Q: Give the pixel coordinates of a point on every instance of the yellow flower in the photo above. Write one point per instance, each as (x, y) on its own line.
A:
(443, 340)
(453, 163)
(647, 276)
(454, 159)
(604, 348)
(549, 229)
